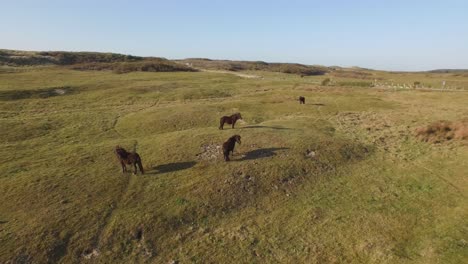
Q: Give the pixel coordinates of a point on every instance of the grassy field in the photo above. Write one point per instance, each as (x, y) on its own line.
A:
(341, 179)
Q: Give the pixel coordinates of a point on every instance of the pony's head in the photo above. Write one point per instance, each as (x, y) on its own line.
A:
(237, 138)
(118, 147)
(238, 115)
(119, 150)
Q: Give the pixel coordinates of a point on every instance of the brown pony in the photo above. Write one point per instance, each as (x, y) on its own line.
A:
(228, 146)
(301, 100)
(130, 158)
(229, 119)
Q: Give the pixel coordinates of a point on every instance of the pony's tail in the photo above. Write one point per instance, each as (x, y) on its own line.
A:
(135, 144)
(140, 166)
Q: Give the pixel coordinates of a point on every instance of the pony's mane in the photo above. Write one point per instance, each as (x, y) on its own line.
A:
(121, 152)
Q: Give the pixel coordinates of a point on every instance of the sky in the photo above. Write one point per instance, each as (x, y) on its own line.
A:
(408, 35)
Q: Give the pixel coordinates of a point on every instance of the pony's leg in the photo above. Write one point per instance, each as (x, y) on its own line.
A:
(135, 166)
(140, 166)
(221, 124)
(124, 168)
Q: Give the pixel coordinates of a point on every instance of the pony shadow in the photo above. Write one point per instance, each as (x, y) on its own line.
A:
(319, 104)
(171, 167)
(271, 127)
(261, 153)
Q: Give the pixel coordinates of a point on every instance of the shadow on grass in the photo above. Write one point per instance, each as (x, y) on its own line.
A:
(260, 153)
(319, 104)
(38, 93)
(271, 127)
(172, 167)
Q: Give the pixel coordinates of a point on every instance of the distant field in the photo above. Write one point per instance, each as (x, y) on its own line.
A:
(341, 179)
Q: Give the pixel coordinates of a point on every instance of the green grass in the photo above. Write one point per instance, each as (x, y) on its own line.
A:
(372, 193)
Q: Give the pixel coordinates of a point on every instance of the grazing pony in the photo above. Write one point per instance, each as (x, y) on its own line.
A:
(301, 100)
(229, 119)
(228, 146)
(130, 158)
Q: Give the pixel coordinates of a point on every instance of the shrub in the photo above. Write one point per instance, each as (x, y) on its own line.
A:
(326, 81)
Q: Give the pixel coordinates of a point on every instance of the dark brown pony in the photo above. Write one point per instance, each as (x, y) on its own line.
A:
(228, 146)
(231, 120)
(301, 100)
(130, 158)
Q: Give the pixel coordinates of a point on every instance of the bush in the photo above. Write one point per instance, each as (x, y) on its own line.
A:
(326, 81)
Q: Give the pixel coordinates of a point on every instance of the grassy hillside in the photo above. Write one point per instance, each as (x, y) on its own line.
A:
(341, 179)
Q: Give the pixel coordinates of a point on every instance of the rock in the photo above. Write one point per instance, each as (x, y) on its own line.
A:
(310, 153)
(88, 254)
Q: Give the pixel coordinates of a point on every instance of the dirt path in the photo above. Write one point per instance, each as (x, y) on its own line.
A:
(94, 249)
(117, 118)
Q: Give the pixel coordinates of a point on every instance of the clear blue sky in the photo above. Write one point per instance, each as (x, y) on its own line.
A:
(380, 34)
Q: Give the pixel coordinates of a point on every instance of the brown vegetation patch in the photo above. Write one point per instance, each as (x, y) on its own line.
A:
(443, 130)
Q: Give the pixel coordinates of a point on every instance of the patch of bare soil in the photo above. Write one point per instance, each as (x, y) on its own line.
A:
(381, 131)
(210, 152)
(442, 131)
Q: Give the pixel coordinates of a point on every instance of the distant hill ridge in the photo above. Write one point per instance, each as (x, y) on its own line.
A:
(23, 58)
(121, 63)
(449, 71)
(126, 63)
